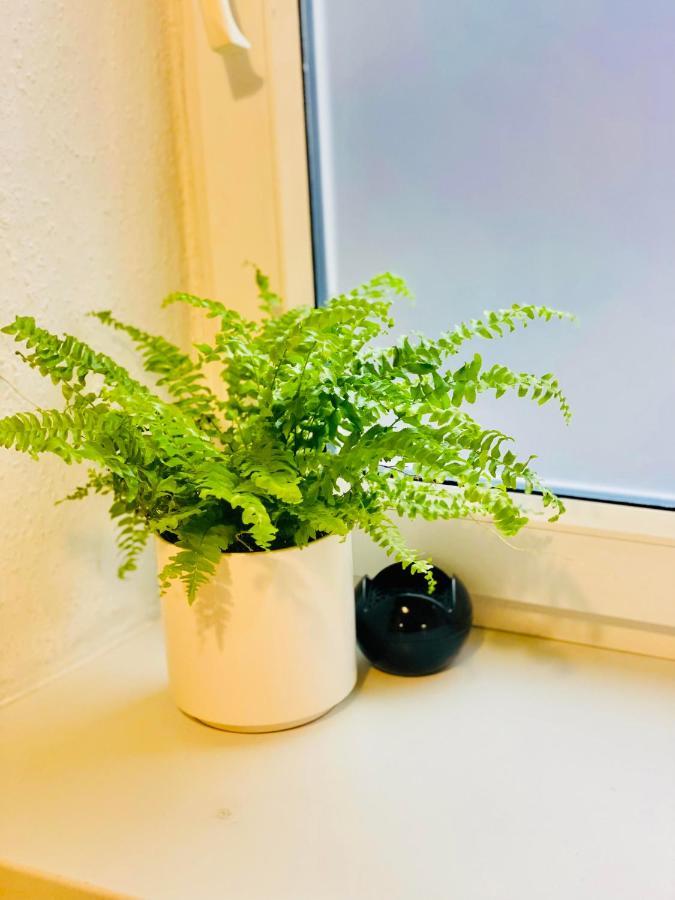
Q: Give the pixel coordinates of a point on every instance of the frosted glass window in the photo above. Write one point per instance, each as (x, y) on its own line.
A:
(516, 151)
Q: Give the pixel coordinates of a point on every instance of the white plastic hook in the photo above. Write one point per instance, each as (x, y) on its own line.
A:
(221, 27)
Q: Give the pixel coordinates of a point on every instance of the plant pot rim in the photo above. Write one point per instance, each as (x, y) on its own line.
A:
(341, 537)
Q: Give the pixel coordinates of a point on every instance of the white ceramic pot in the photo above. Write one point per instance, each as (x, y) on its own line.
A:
(269, 643)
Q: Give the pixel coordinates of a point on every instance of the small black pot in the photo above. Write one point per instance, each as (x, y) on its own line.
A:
(404, 630)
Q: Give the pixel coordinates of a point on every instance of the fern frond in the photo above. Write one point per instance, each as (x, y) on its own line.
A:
(319, 518)
(496, 323)
(198, 553)
(388, 536)
(272, 470)
(218, 482)
(420, 499)
(182, 377)
(66, 360)
(230, 320)
(47, 431)
(270, 303)
(541, 388)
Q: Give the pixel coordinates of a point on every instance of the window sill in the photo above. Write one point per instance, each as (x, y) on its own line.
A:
(603, 575)
(530, 768)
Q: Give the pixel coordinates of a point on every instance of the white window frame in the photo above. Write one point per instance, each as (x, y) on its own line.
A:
(604, 574)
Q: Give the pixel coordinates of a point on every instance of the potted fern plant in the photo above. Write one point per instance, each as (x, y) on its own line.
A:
(252, 493)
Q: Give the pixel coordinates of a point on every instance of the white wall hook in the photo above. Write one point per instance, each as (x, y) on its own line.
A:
(221, 27)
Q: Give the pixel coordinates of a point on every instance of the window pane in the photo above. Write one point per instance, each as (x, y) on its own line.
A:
(497, 152)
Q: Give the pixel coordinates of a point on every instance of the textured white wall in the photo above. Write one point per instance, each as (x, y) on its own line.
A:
(89, 218)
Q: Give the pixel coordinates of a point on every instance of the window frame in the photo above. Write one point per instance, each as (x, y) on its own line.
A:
(605, 573)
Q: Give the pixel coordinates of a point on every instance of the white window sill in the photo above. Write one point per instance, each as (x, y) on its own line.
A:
(603, 575)
(531, 769)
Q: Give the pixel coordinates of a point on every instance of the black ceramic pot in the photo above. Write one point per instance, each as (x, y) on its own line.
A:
(404, 630)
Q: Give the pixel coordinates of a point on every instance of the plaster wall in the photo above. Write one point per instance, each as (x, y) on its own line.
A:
(89, 219)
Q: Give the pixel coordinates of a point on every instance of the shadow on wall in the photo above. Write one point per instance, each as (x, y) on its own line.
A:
(242, 78)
